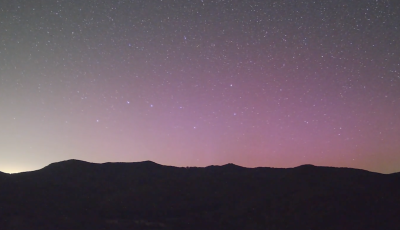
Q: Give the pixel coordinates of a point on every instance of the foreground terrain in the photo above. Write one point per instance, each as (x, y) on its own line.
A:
(80, 195)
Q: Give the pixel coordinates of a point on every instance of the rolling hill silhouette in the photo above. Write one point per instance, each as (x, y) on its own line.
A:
(76, 194)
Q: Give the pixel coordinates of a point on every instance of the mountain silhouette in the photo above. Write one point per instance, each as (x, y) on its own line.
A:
(75, 194)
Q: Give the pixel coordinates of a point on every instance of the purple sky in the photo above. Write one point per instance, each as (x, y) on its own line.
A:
(197, 83)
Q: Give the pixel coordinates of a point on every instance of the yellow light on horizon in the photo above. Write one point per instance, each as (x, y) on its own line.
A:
(14, 169)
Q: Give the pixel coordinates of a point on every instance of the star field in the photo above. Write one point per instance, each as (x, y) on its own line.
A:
(202, 82)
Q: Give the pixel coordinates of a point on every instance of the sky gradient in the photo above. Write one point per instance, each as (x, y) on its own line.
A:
(197, 83)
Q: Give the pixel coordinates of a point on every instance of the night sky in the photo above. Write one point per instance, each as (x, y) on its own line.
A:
(200, 82)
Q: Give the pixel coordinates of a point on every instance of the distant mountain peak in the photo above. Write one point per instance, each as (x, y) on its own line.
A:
(142, 163)
(231, 165)
(148, 162)
(74, 163)
(306, 165)
(71, 161)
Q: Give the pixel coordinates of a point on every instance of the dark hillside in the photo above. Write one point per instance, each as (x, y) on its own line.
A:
(144, 195)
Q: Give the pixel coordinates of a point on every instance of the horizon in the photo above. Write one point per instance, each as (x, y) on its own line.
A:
(197, 83)
(322, 166)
